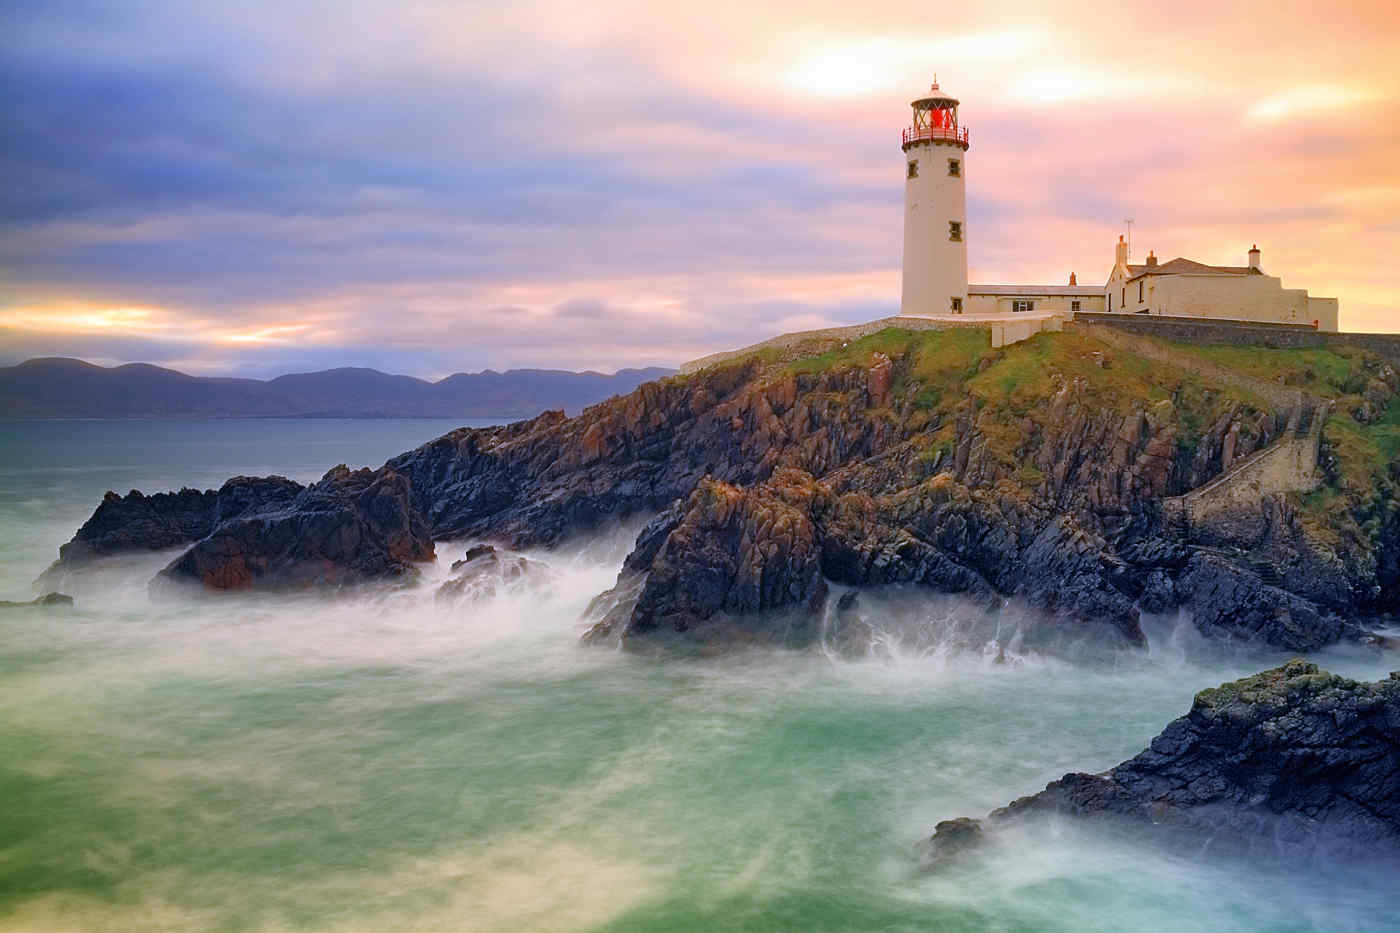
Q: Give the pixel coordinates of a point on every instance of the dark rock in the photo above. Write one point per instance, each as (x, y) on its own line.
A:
(48, 599)
(137, 522)
(951, 838)
(881, 473)
(1231, 603)
(847, 632)
(1292, 762)
(484, 572)
(474, 553)
(348, 527)
(733, 556)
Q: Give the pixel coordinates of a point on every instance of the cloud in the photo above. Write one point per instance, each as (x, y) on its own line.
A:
(434, 186)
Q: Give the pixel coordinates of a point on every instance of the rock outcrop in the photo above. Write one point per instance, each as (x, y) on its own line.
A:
(137, 522)
(47, 601)
(1033, 473)
(729, 554)
(485, 572)
(726, 560)
(1293, 761)
(349, 527)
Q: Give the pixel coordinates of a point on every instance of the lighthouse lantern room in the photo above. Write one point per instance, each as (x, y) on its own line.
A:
(935, 208)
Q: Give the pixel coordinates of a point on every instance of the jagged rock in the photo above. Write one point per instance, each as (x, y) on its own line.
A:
(1292, 761)
(734, 557)
(137, 522)
(348, 527)
(915, 474)
(1230, 603)
(761, 555)
(951, 838)
(47, 600)
(484, 572)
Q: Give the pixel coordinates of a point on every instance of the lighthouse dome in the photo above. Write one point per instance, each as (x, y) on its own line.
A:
(935, 99)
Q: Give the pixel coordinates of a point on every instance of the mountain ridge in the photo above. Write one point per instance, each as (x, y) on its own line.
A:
(65, 387)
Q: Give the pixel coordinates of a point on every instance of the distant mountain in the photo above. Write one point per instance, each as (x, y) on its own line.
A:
(66, 388)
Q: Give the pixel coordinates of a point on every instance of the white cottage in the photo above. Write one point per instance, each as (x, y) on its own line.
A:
(1185, 288)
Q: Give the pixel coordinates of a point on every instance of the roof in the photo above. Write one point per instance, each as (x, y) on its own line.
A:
(1031, 291)
(1180, 266)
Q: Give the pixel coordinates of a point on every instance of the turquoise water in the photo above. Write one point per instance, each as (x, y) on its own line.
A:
(390, 762)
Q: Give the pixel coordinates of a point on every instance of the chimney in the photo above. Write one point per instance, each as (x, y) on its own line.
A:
(1072, 279)
(1121, 252)
(1151, 259)
(1254, 258)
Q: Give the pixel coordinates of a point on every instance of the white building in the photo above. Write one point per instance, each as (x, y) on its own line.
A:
(935, 256)
(935, 208)
(1184, 288)
(1019, 299)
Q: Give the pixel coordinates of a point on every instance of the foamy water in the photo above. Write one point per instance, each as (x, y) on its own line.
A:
(382, 760)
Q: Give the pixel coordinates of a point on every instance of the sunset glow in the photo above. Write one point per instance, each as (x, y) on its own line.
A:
(436, 187)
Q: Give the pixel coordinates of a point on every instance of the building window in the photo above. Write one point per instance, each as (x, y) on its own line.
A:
(955, 168)
(1110, 301)
(1074, 307)
(955, 305)
(1023, 304)
(1140, 284)
(913, 170)
(1123, 297)
(955, 230)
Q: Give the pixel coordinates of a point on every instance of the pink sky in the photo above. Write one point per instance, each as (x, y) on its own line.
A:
(429, 188)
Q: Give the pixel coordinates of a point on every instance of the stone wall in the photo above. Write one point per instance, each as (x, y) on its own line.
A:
(1190, 330)
(1287, 465)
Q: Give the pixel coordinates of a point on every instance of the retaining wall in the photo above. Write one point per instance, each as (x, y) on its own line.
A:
(1287, 465)
(1242, 334)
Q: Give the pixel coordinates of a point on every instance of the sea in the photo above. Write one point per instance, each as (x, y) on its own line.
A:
(383, 760)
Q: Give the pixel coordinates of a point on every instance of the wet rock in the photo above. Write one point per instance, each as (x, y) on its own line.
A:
(739, 565)
(48, 600)
(349, 527)
(138, 522)
(1055, 501)
(1231, 603)
(952, 838)
(1292, 762)
(485, 572)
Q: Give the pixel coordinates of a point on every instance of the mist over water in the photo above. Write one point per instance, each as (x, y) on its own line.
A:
(385, 760)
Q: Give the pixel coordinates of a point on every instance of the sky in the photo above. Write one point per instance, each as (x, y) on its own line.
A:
(433, 187)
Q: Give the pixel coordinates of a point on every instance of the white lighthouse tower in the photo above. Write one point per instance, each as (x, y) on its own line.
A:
(935, 208)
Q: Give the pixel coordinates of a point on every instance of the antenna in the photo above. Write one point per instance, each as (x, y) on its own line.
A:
(1129, 222)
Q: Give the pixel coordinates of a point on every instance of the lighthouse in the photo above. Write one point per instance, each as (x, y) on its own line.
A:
(935, 208)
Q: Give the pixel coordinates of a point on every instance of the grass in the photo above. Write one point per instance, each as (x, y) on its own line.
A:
(1331, 373)
(941, 372)
(936, 355)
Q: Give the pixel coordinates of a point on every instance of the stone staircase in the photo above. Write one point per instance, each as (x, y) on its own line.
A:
(1289, 464)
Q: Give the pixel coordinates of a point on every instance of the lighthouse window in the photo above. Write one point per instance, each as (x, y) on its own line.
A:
(955, 305)
(913, 170)
(955, 230)
(954, 167)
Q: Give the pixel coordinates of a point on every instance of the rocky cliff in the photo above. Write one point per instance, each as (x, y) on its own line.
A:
(1292, 761)
(1034, 473)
